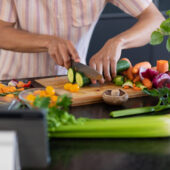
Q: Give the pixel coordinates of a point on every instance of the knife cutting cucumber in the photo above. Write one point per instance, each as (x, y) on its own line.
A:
(77, 77)
(82, 80)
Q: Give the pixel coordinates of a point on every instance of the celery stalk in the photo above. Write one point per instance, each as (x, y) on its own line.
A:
(136, 111)
(145, 126)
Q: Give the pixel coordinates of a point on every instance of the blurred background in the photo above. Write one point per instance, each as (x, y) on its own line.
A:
(114, 21)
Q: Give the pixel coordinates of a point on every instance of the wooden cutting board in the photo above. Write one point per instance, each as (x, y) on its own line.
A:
(86, 95)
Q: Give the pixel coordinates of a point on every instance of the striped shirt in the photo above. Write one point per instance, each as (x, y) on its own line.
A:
(69, 19)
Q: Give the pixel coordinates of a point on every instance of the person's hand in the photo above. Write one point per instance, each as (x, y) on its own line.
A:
(105, 60)
(62, 51)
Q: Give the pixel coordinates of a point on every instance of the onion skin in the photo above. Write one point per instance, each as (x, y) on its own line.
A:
(161, 80)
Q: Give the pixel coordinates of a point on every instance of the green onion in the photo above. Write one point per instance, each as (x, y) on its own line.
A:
(132, 127)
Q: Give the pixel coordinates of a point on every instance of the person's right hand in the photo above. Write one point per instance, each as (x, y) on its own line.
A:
(62, 51)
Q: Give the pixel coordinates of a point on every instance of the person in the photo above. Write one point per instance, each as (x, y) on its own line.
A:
(41, 37)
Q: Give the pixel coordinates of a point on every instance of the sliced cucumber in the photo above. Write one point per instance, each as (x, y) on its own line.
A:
(81, 79)
(122, 65)
(71, 75)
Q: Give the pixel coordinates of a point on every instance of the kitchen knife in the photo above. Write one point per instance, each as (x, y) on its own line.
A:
(86, 70)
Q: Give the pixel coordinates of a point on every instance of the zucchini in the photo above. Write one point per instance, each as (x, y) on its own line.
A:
(122, 65)
(81, 79)
(71, 75)
(118, 80)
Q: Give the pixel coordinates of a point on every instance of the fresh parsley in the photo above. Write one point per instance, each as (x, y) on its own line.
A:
(58, 114)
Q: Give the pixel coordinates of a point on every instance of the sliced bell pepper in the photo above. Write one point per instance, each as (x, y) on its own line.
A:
(27, 84)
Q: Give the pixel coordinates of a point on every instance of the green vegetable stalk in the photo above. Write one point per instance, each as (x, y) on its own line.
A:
(164, 103)
(157, 36)
(141, 127)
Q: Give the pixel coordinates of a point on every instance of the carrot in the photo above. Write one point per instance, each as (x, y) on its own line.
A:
(126, 59)
(162, 66)
(10, 95)
(20, 89)
(144, 64)
(128, 72)
(154, 68)
(147, 83)
(136, 88)
(137, 78)
(126, 87)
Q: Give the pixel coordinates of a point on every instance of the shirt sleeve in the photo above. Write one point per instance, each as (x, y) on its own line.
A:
(132, 7)
(8, 11)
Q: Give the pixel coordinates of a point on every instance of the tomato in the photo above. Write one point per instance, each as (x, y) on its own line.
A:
(74, 88)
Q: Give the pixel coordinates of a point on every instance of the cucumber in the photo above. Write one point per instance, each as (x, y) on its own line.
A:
(81, 79)
(71, 75)
(122, 65)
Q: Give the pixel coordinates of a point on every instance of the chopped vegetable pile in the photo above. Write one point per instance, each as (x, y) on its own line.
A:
(13, 88)
(138, 77)
(55, 106)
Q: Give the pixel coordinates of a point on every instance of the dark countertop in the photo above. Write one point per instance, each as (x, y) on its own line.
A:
(109, 154)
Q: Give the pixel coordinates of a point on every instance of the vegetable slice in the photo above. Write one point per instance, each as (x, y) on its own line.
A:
(144, 64)
(71, 75)
(128, 83)
(118, 80)
(162, 66)
(81, 79)
(147, 83)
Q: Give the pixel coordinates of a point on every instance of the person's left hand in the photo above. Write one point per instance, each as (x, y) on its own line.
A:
(105, 60)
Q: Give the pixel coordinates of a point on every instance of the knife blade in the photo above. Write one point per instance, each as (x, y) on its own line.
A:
(86, 70)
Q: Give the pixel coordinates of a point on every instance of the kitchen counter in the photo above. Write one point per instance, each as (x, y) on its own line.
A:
(109, 154)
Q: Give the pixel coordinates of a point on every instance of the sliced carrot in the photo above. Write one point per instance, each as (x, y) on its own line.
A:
(144, 64)
(126, 87)
(137, 78)
(147, 83)
(136, 88)
(162, 66)
(129, 73)
(10, 95)
(20, 89)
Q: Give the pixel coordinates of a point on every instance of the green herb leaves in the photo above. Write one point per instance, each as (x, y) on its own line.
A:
(57, 114)
(157, 36)
(162, 93)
